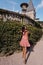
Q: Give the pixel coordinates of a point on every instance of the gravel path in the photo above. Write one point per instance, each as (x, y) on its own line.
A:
(35, 57)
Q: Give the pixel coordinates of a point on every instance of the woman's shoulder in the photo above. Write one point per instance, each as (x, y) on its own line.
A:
(28, 32)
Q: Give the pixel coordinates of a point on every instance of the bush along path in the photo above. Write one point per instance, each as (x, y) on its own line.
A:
(10, 36)
(35, 58)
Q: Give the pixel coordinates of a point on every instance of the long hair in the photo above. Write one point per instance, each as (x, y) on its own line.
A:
(23, 29)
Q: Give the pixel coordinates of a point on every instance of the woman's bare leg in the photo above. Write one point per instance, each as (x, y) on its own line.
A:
(23, 52)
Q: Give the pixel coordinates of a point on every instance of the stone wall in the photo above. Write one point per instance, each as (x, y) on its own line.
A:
(31, 14)
(13, 16)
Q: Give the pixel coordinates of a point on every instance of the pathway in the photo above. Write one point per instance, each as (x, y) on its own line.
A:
(35, 58)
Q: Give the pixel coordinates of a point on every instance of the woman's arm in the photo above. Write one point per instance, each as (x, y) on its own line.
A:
(29, 33)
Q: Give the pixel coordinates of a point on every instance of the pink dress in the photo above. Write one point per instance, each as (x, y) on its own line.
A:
(24, 41)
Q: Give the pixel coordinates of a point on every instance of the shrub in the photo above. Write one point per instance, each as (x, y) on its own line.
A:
(10, 36)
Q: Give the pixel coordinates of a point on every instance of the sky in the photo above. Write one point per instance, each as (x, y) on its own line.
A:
(14, 5)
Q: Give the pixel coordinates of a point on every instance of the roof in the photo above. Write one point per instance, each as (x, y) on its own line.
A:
(30, 6)
(24, 4)
(7, 11)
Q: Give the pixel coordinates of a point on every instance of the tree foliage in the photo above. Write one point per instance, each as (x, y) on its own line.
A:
(10, 36)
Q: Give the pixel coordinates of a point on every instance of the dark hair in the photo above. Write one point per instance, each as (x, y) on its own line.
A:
(23, 28)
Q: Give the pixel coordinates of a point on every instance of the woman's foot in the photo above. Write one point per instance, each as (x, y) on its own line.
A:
(25, 61)
(22, 56)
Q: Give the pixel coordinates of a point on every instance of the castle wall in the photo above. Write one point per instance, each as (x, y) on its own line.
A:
(13, 16)
(31, 14)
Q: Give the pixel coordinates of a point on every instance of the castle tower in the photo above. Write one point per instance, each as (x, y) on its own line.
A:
(31, 10)
(24, 7)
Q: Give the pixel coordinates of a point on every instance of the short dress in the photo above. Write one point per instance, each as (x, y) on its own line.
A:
(24, 40)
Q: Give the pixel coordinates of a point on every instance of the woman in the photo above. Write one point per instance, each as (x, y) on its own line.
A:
(24, 41)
